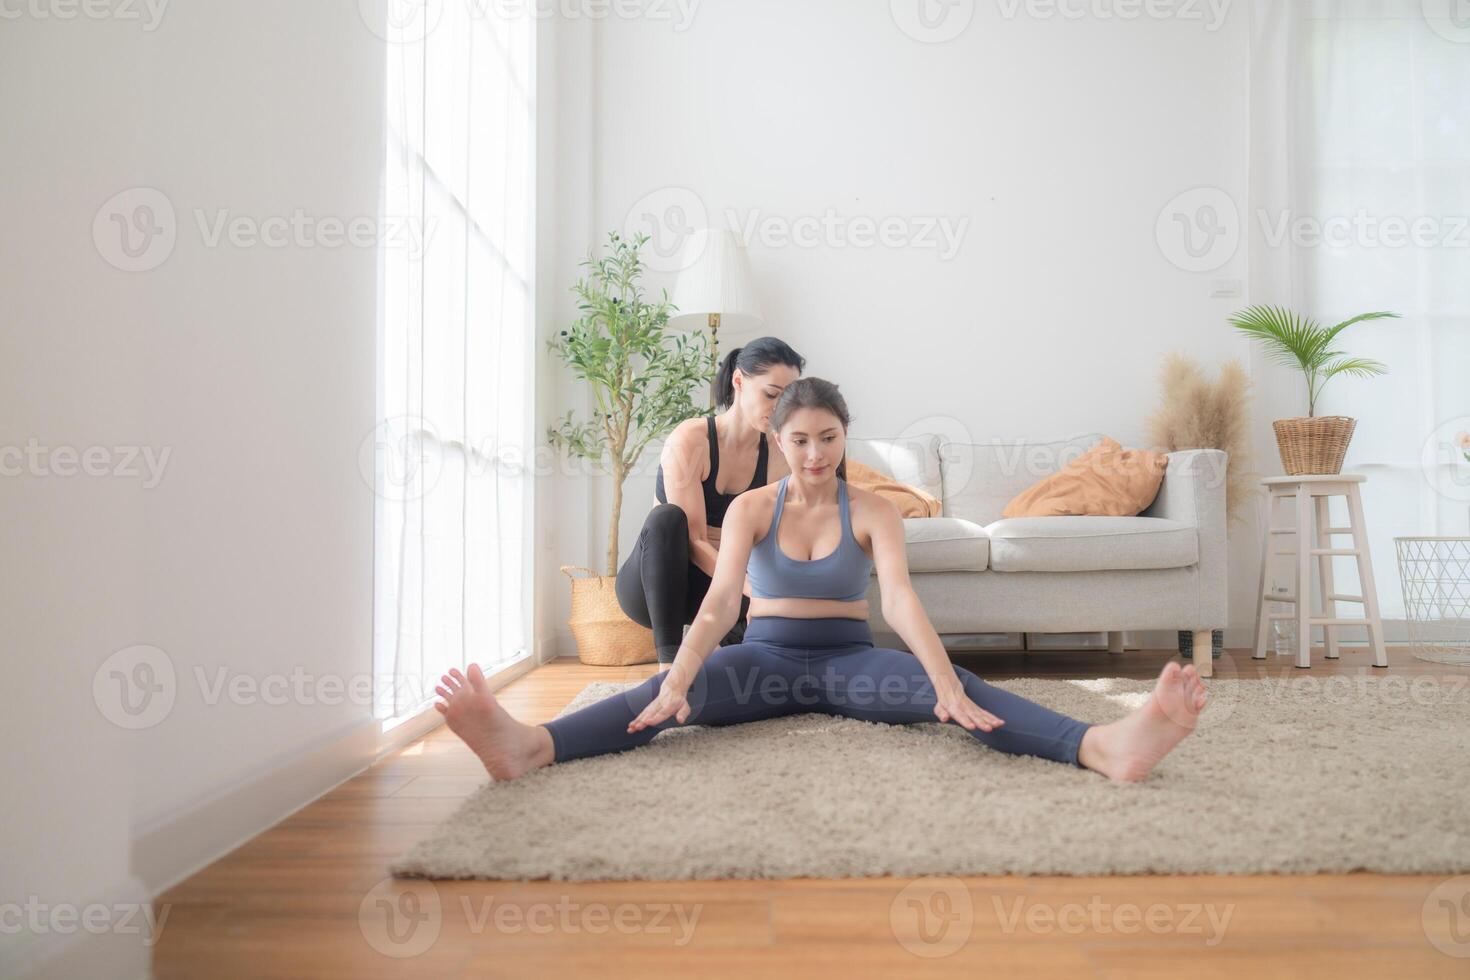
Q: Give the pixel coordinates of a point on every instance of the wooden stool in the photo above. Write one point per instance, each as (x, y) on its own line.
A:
(1311, 494)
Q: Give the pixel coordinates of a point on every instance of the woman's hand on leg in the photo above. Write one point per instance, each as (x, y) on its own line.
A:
(672, 700)
(951, 703)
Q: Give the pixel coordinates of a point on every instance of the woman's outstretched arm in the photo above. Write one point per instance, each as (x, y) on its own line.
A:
(721, 606)
(903, 611)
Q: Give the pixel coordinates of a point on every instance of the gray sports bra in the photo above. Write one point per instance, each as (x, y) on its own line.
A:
(844, 574)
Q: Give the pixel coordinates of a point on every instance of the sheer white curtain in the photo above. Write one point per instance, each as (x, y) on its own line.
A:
(1360, 201)
(456, 356)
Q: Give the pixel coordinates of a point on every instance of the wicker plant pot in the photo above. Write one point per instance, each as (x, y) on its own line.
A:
(1313, 445)
(605, 636)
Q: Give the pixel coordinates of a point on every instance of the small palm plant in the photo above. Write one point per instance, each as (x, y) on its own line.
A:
(1296, 341)
(1312, 444)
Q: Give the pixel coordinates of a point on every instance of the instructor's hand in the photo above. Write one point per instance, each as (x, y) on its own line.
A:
(672, 700)
(953, 704)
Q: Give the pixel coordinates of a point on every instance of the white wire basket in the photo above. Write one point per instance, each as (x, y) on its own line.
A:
(1435, 574)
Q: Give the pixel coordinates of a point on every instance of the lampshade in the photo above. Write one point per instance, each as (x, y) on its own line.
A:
(715, 279)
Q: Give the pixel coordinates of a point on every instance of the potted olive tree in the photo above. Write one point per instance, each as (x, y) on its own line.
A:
(1313, 443)
(641, 375)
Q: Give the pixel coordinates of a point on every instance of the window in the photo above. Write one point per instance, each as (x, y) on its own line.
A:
(456, 356)
(1385, 142)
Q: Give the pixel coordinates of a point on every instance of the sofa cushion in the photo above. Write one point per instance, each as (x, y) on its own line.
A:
(945, 544)
(979, 479)
(908, 459)
(1087, 544)
(1105, 481)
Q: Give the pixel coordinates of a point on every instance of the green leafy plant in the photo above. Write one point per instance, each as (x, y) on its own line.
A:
(1296, 341)
(641, 373)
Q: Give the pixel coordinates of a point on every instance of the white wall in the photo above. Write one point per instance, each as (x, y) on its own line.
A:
(253, 367)
(1054, 142)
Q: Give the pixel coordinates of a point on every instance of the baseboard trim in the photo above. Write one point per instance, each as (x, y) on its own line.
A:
(170, 850)
(103, 955)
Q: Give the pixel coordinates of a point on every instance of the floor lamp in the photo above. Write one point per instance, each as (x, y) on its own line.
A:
(715, 289)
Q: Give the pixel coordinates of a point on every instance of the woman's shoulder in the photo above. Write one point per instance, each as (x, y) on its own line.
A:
(695, 429)
(869, 506)
(756, 506)
(687, 444)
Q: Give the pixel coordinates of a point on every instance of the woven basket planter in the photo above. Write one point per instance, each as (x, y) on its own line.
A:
(605, 636)
(1313, 445)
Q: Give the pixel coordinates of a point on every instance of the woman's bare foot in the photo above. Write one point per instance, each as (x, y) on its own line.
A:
(507, 747)
(1128, 749)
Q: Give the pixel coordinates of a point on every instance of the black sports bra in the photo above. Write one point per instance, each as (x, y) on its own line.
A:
(715, 503)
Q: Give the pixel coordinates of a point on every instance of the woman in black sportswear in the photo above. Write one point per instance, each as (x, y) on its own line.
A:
(706, 463)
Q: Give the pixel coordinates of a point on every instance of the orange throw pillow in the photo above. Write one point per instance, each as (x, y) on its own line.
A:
(1105, 481)
(911, 501)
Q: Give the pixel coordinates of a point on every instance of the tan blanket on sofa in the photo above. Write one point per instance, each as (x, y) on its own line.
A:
(911, 501)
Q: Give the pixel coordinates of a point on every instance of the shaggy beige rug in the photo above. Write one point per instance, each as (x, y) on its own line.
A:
(1294, 775)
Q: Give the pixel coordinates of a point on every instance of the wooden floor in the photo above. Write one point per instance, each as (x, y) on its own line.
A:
(307, 898)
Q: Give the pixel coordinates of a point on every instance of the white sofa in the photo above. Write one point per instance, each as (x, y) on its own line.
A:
(977, 572)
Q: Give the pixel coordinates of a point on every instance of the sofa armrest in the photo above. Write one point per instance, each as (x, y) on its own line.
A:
(1193, 492)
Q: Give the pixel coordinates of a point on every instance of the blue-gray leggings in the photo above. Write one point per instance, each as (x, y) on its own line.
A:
(788, 666)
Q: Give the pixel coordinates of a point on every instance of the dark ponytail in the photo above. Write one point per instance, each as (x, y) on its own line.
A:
(754, 358)
(812, 393)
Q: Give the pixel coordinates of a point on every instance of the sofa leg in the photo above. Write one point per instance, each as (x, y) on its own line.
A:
(1203, 664)
(1115, 641)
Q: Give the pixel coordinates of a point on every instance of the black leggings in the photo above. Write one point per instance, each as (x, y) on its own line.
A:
(659, 587)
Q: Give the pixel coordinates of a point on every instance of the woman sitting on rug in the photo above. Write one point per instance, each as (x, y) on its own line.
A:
(808, 539)
(663, 582)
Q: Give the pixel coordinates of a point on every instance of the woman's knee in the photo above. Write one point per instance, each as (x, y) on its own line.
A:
(666, 531)
(667, 519)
